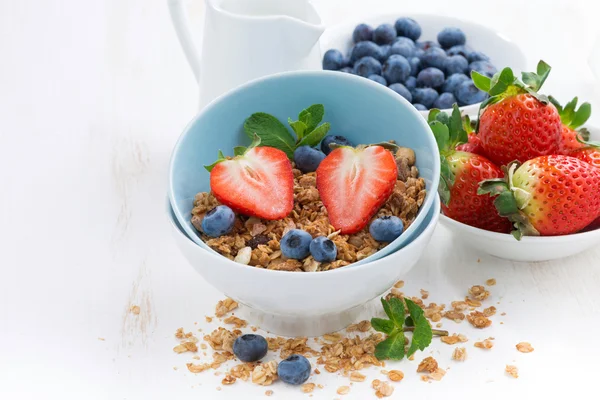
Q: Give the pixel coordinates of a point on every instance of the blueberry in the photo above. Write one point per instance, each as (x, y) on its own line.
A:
(294, 370)
(430, 77)
(446, 100)
(411, 82)
(378, 79)
(483, 67)
(307, 159)
(477, 56)
(333, 60)
(384, 34)
(425, 96)
(408, 27)
(427, 44)
(459, 50)
(456, 65)
(218, 221)
(467, 93)
(337, 139)
(367, 66)
(402, 91)
(295, 244)
(449, 37)
(417, 52)
(384, 51)
(420, 107)
(434, 57)
(453, 81)
(386, 228)
(347, 70)
(406, 41)
(404, 49)
(364, 49)
(396, 69)
(323, 249)
(362, 32)
(250, 348)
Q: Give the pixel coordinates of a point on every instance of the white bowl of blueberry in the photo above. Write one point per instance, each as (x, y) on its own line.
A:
(427, 59)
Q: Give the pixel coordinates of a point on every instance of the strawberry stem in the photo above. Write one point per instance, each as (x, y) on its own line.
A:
(437, 332)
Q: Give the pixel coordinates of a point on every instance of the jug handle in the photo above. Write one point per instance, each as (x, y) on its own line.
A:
(181, 23)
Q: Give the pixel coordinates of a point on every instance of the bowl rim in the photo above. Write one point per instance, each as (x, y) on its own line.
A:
(436, 208)
(431, 190)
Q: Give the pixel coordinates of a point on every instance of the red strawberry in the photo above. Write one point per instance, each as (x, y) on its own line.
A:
(354, 184)
(516, 122)
(590, 155)
(460, 177)
(472, 146)
(572, 119)
(259, 183)
(549, 195)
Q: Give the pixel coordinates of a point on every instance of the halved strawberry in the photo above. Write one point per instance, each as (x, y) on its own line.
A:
(259, 182)
(354, 184)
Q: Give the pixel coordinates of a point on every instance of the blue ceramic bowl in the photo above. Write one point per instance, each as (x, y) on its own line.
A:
(358, 108)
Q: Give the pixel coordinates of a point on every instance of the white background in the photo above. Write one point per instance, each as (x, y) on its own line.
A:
(93, 95)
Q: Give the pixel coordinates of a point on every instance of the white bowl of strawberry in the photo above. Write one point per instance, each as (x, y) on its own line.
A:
(524, 184)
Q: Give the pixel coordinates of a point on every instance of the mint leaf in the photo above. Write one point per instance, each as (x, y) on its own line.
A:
(422, 336)
(271, 132)
(394, 309)
(312, 116)
(391, 348)
(239, 150)
(299, 128)
(382, 325)
(481, 82)
(315, 137)
(415, 311)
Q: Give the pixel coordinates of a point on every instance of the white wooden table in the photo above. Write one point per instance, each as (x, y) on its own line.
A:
(92, 97)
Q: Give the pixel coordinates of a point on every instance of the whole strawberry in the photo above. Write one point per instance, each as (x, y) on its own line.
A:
(473, 144)
(517, 123)
(589, 154)
(549, 195)
(461, 173)
(572, 136)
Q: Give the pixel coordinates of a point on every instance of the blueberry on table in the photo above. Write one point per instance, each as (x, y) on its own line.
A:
(434, 57)
(427, 44)
(333, 60)
(430, 77)
(367, 66)
(483, 67)
(307, 159)
(384, 51)
(362, 32)
(384, 34)
(467, 94)
(295, 244)
(453, 81)
(347, 70)
(444, 101)
(365, 49)
(456, 65)
(294, 370)
(449, 37)
(408, 27)
(386, 228)
(218, 221)
(402, 91)
(378, 79)
(337, 139)
(410, 83)
(477, 56)
(420, 107)
(460, 50)
(425, 96)
(415, 66)
(396, 69)
(250, 347)
(404, 49)
(323, 249)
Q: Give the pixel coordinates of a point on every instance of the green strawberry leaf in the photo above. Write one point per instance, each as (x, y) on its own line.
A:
(312, 116)
(556, 104)
(444, 191)
(443, 118)
(482, 82)
(441, 134)
(458, 134)
(432, 114)
(391, 348)
(446, 180)
(581, 115)
(239, 150)
(315, 137)
(467, 126)
(383, 325)
(535, 80)
(299, 128)
(501, 81)
(220, 158)
(570, 115)
(271, 132)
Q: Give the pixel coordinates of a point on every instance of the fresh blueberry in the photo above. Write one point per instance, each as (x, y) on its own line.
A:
(378, 79)
(483, 67)
(425, 96)
(365, 49)
(430, 77)
(294, 370)
(386, 228)
(308, 159)
(477, 56)
(408, 27)
(446, 100)
(459, 50)
(402, 48)
(250, 347)
(402, 91)
(337, 139)
(396, 69)
(362, 32)
(384, 34)
(456, 65)
(434, 57)
(347, 70)
(218, 221)
(333, 60)
(427, 44)
(467, 93)
(420, 107)
(367, 66)
(405, 41)
(453, 81)
(323, 249)
(417, 52)
(296, 244)
(449, 37)
(411, 83)
(384, 51)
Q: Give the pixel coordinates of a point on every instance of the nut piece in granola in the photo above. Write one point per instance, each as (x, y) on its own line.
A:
(308, 387)
(479, 292)
(228, 380)
(395, 375)
(512, 371)
(454, 338)
(459, 354)
(428, 364)
(265, 374)
(524, 347)
(479, 320)
(225, 306)
(382, 389)
(487, 344)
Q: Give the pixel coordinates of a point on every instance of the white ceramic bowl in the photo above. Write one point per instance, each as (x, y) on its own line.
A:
(501, 50)
(303, 303)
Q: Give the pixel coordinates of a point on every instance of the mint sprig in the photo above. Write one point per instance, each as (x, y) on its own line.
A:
(394, 346)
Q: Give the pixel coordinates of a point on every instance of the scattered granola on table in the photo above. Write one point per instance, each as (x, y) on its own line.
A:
(459, 354)
(487, 344)
(512, 371)
(524, 347)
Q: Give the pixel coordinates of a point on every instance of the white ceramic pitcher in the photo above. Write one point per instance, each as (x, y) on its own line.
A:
(248, 39)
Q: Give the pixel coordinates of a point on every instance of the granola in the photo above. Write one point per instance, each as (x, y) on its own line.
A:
(459, 354)
(454, 338)
(479, 320)
(429, 364)
(524, 347)
(512, 371)
(487, 344)
(265, 374)
(382, 389)
(395, 375)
